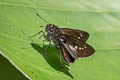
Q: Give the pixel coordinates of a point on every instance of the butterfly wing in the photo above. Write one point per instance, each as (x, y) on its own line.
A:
(66, 54)
(78, 34)
(73, 48)
(80, 49)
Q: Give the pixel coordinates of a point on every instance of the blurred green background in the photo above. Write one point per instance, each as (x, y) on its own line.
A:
(98, 17)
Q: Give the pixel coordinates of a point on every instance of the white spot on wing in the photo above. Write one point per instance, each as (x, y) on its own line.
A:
(78, 37)
(81, 35)
(85, 46)
(80, 48)
(76, 47)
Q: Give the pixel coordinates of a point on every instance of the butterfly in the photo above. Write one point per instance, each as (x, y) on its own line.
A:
(71, 42)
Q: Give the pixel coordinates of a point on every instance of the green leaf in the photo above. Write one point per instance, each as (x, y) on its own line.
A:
(8, 69)
(98, 17)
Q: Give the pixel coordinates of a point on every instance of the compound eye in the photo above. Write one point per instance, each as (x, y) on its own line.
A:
(51, 29)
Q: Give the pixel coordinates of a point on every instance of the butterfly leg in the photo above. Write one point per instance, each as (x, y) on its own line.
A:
(46, 39)
(37, 34)
(48, 45)
(43, 35)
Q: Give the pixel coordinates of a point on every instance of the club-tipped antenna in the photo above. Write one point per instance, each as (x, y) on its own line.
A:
(41, 18)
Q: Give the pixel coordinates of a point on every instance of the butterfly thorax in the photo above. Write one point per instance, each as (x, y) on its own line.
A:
(53, 33)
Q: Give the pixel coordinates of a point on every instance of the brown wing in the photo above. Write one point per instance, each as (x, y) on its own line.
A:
(81, 49)
(73, 48)
(66, 54)
(78, 34)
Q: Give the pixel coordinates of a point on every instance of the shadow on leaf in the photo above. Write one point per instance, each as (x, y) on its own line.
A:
(52, 57)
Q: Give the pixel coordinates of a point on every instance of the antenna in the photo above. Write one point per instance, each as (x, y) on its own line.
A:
(25, 35)
(41, 18)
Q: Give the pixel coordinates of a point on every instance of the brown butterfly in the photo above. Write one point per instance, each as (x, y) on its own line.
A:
(71, 42)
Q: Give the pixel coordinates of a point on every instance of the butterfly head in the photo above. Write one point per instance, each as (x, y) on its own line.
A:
(51, 28)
